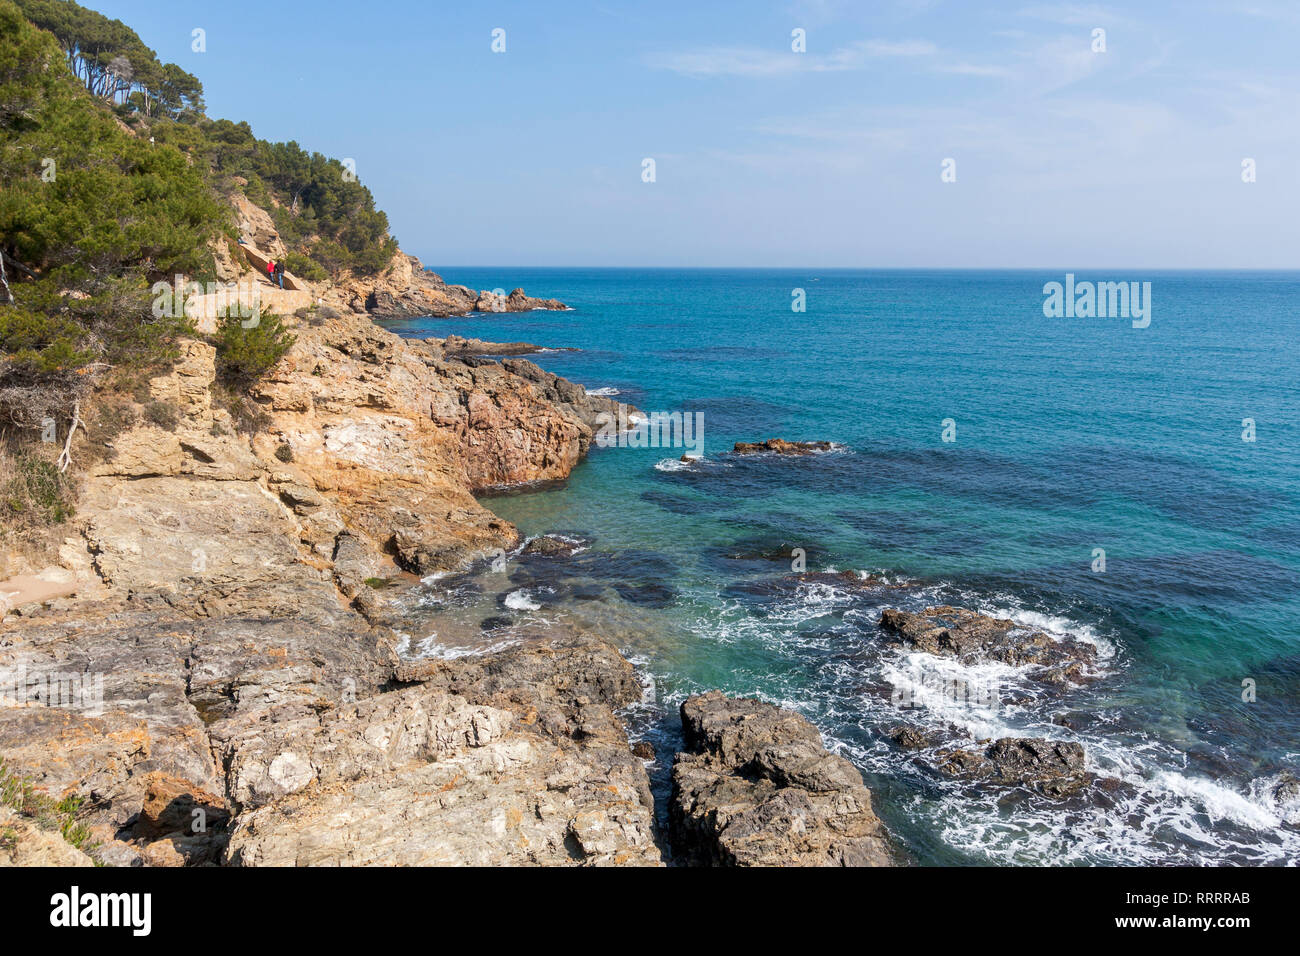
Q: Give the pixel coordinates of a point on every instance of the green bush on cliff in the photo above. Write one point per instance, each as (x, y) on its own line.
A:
(36, 491)
(244, 355)
(304, 267)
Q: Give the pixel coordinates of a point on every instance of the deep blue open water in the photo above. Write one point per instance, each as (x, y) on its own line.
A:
(1071, 435)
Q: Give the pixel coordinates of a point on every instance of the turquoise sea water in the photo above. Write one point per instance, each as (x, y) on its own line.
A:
(1071, 435)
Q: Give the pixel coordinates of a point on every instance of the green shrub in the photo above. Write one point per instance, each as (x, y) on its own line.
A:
(163, 414)
(244, 355)
(305, 268)
(284, 453)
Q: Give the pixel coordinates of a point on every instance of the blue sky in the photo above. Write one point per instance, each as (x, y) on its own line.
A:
(1065, 158)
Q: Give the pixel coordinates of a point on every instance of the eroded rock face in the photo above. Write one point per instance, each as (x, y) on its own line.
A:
(255, 223)
(398, 437)
(271, 740)
(369, 459)
(171, 697)
(756, 787)
(972, 637)
(517, 758)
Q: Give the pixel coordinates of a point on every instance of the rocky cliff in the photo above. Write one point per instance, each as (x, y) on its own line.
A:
(223, 605)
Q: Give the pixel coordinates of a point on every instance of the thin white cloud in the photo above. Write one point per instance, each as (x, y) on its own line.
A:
(760, 61)
(1285, 12)
(972, 69)
(899, 48)
(1074, 14)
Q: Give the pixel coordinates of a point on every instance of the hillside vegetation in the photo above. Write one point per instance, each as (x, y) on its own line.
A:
(114, 179)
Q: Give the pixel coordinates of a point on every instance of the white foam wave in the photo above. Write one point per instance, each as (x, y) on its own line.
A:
(430, 648)
(1056, 626)
(1221, 803)
(521, 600)
(969, 697)
(675, 464)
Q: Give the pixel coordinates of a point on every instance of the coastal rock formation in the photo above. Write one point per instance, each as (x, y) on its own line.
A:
(242, 710)
(270, 740)
(972, 637)
(517, 758)
(455, 345)
(406, 289)
(367, 460)
(756, 787)
(779, 446)
(1050, 767)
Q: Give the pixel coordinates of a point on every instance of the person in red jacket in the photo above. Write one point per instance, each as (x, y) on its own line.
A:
(270, 272)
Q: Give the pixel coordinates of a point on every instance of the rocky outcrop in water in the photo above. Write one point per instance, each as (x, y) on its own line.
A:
(516, 301)
(756, 787)
(1050, 767)
(971, 637)
(455, 345)
(550, 544)
(779, 446)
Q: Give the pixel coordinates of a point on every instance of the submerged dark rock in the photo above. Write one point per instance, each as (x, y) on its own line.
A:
(647, 595)
(765, 552)
(549, 544)
(756, 787)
